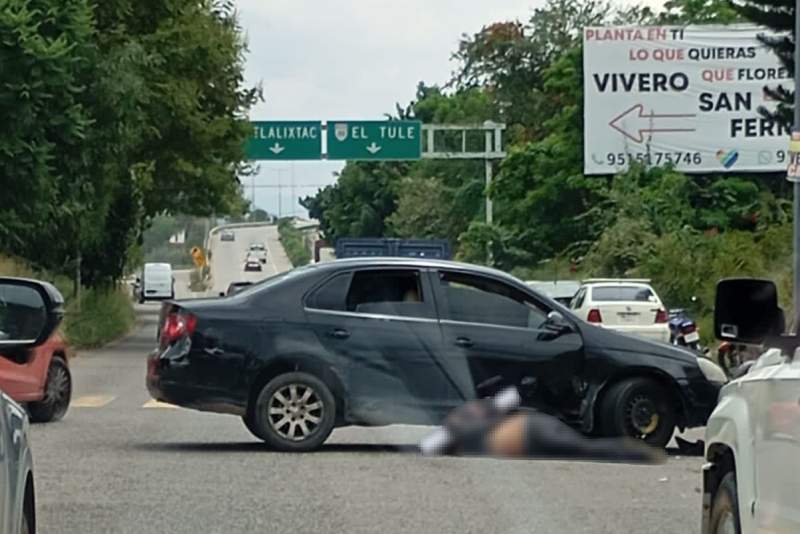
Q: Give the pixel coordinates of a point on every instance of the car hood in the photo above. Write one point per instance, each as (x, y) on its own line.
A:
(606, 339)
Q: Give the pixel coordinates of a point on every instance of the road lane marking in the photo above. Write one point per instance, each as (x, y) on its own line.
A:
(152, 403)
(91, 401)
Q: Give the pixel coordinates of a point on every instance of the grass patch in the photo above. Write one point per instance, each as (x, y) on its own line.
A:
(104, 314)
(293, 243)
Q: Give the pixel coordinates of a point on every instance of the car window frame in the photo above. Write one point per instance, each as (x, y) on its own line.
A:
(442, 304)
(428, 298)
(579, 298)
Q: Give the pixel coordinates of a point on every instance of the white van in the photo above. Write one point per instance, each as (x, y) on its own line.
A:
(157, 282)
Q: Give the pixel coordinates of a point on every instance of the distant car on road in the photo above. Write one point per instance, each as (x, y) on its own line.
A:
(156, 282)
(258, 251)
(252, 265)
(375, 341)
(561, 291)
(627, 305)
(227, 235)
(30, 312)
(37, 375)
(751, 479)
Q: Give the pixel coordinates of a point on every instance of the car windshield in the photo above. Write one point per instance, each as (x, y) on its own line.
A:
(404, 266)
(623, 294)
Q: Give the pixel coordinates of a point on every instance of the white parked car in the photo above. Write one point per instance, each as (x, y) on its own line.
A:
(627, 305)
(751, 479)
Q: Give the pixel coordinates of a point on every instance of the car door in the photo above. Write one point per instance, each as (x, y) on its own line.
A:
(496, 333)
(380, 324)
(774, 402)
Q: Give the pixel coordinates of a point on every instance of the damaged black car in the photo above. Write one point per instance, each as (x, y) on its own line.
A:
(379, 341)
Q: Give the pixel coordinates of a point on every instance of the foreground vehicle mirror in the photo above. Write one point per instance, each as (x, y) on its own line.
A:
(557, 322)
(29, 312)
(746, 311)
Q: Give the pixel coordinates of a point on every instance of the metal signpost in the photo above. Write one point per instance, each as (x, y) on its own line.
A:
(378, 141)
(796, 285)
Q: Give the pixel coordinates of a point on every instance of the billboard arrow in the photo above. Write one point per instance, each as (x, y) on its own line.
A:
(633, 123)
(373, 148)
(276, 149)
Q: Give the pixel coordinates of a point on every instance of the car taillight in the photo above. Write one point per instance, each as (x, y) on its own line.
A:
(176, 325)
(661, 316)
(594, 316)
(688, 329)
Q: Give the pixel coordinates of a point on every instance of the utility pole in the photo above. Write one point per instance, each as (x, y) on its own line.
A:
(796, 288)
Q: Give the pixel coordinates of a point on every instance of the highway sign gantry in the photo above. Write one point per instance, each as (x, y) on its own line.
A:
(374, 140)
(285, 140)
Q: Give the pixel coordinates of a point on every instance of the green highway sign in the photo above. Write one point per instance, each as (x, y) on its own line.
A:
(285, 140)
(374, 140)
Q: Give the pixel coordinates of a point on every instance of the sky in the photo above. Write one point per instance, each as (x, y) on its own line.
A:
(348, 59)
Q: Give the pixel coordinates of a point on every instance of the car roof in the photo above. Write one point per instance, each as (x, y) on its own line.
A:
(421, 263)
(616, 281)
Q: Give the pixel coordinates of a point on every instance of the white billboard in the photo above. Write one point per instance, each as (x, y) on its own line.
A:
(682, 95)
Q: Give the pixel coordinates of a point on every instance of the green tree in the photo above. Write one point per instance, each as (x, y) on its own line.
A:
(778, 16)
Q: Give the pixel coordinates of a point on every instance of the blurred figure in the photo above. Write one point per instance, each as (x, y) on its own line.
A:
(479, 428)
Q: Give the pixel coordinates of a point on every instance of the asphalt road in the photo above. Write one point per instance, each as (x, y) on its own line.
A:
(227, 257)
(120, 462)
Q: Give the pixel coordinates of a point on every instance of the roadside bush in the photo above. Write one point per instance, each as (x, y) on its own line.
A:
(104, 314)
(293, 243)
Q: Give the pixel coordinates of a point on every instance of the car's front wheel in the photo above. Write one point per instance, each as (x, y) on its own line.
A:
(638, 408)
(725, 507)
(57, 393)
(293, 412)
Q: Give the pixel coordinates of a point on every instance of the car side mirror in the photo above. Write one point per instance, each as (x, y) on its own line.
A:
(556, 321)
(746, 311)
(30, 311)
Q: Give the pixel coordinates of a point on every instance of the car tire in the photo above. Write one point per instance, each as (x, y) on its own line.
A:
(638, 408)
(57, 393)
(294, 412)
(725, 507)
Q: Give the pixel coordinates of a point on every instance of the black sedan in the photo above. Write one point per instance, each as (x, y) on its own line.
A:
(376, 341)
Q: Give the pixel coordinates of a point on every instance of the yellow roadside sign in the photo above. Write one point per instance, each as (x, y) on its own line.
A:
(198, 257)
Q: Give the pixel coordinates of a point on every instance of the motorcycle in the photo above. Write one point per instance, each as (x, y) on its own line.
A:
(683, 330)
(736, 359)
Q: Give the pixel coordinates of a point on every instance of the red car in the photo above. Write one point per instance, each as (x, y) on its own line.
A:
(39, 376)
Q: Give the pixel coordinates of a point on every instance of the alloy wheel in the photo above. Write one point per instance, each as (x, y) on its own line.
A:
(295, 411)
(58, 389)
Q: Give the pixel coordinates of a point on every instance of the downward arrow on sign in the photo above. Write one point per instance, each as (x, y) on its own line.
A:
(373, 148)
(633, 123)
(276, 149)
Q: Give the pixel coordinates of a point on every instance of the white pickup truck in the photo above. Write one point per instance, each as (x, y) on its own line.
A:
(751, 479)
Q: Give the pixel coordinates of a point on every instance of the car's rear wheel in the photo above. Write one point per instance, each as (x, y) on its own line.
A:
(294, 412)
(725, 507)
(57, 393)
(639, 408)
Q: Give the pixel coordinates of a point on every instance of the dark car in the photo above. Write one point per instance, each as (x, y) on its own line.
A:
(252, 265)
(396, 340)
